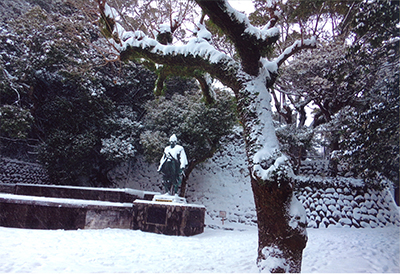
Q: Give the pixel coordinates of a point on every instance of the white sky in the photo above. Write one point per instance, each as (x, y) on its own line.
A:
(242, 5)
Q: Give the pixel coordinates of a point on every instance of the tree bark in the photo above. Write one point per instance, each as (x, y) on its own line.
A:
(193, 164)
(187, 172)
(281, 234)
(280, 248)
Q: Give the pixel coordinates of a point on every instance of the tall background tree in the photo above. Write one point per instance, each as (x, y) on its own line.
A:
(66, 103)
(352, 81)
(370, 141)
(281, 218)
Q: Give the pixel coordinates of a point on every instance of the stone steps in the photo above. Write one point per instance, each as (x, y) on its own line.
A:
(124, 195)
(23, 211)
(69, 207)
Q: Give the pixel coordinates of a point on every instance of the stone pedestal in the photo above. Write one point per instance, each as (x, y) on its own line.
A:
(66, 207)
(57, 213)
(169, 218)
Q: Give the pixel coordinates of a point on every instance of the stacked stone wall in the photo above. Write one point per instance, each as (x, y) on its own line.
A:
(329, 202)
(314, 168)
(15, 171)
(321, 168)
(342, 201)
(346, 202)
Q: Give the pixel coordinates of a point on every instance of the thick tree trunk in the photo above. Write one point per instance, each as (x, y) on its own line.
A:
(280, 247)
(193, 164)
(281, 217)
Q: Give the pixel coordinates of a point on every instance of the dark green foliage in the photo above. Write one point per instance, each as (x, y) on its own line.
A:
(72, 122)
(198, 127)
(69, 157)
(376, 22)
(15, 122)
(355, 87)
(51, 69)
(371, 137)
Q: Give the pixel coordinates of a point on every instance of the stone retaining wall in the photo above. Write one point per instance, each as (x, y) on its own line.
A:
(328, 202)
(118, 195)
(346, 202)
(67, 207)
(14, 171)
(321, 168)
(314, 168)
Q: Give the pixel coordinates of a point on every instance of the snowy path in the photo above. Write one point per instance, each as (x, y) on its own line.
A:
(117, 250)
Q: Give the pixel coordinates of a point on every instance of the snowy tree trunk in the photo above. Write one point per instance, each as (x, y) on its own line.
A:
(280, 247)
(281, 218)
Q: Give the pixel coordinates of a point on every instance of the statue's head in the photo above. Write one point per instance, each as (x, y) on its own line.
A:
(173, 140)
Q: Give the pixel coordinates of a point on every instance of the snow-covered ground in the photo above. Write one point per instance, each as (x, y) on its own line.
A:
(346, 250)
(221, 185)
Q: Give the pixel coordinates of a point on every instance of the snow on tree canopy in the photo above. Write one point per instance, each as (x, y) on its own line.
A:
(263, 34)
(196, 46)
(164, 28)
(203, 32)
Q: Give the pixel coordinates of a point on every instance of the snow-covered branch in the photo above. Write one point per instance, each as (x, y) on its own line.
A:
(250, 42)
(238, 24)
(296, 47)
(198, 53)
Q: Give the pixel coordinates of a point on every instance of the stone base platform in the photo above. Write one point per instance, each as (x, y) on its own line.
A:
(168, 218)
(66, 207)
(22, 211)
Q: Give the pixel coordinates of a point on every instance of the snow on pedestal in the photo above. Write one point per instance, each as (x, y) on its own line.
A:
(169, 198)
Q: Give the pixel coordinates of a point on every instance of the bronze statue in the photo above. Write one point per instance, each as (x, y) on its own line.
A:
(172, 165)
